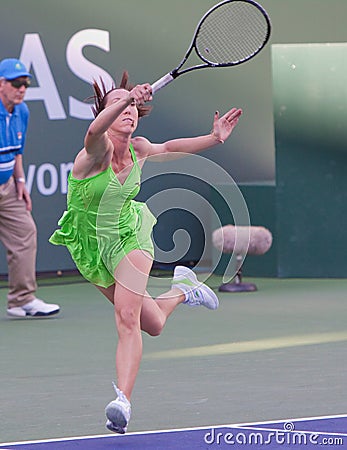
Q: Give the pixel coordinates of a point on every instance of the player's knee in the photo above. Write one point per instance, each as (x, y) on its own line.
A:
(155, 331)
(127, 320)
(156, 327)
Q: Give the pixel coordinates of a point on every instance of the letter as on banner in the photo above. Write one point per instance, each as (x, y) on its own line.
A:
(33, 55)
(84, 69)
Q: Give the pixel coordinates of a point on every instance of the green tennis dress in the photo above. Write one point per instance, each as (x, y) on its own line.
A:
(103, 223)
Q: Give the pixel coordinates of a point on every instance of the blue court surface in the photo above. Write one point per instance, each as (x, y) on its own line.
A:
(328, 432)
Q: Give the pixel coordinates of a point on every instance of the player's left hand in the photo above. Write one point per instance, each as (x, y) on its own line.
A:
(223, 126)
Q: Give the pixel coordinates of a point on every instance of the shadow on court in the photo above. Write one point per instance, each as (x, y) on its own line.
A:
(263, 356)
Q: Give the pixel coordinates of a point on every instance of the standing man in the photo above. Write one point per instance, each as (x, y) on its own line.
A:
(17, 227)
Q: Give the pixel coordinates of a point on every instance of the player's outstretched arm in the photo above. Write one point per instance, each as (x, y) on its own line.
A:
(221, 130)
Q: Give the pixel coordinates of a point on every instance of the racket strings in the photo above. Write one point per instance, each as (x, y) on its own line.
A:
(232, 33)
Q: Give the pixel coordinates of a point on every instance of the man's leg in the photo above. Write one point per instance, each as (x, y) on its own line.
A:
(18, 234)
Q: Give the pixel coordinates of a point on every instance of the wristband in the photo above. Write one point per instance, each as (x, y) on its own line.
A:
(20, 180)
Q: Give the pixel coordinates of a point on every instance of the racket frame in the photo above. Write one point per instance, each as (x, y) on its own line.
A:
(169, 77)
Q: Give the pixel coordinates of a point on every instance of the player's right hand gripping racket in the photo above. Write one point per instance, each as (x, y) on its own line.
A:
(230, 33)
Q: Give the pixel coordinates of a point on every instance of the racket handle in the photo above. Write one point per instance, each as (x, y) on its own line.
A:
(163, 81)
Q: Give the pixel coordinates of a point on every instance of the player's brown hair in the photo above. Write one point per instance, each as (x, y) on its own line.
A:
(100, 95)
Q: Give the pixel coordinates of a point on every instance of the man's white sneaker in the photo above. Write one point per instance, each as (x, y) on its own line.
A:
(196, 293)
(118, 413)
(36, 307)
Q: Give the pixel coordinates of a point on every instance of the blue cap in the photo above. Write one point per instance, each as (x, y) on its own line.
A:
(12, 68)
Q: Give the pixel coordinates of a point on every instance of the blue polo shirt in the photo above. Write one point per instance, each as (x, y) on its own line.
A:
(13, 129)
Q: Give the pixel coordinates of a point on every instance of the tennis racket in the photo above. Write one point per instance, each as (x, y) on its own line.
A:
(230, 33)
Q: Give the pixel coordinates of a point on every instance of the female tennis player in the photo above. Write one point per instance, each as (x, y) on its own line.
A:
(109, 234)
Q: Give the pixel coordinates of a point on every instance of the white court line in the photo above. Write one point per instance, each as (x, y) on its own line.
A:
(300, 419)
(139, 433)
(253, 425)
(298, 431)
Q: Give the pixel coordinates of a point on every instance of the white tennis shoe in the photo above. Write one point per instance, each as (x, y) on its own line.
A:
(118, 413)
(35, 308)
(196, 293)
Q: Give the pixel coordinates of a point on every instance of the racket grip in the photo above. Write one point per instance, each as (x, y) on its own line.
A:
(162, 82)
